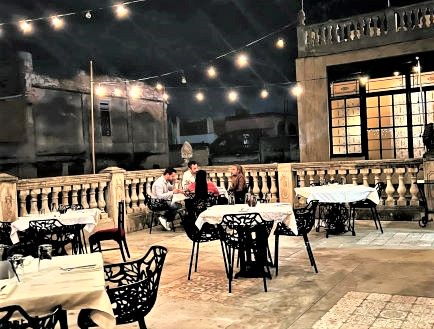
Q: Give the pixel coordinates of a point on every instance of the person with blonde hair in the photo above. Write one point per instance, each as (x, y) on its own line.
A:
(239, 185)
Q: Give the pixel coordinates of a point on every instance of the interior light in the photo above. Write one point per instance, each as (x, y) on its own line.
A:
(363, 80)
(296, 90)
(100, 91)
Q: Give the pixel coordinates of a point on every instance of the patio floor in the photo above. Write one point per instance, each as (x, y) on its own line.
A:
(372, 280)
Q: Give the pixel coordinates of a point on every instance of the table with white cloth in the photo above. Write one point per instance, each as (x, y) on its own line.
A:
(88, 217)
(333, 199)
(75, 282)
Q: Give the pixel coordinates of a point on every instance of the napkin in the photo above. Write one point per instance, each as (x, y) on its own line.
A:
(6, 287)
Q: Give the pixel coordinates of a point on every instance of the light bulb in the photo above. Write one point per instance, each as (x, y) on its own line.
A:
(117, 92)
(183, 79)
(121, 11)
(232, 96)
(26, 27)
(280, 43)
(159, 86)
(100, 91)
(297, 90)
(135, 92)
(242, 60)
(57, 23)
(264, 93)
(165, 97)
(363, 80)
(212, 72)
(88, 15)
(199, 96)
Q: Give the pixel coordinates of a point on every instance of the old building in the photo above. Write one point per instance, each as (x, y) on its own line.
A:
(46, 122)
(368, 84)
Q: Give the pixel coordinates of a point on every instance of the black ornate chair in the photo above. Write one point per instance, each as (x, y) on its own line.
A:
(132, 288)
(116, 234)
(368, 204)
(15, 317)
(157, 207)
(207, 233)
(5, 233)
(305, 218)
(247, 233)
(51, 231)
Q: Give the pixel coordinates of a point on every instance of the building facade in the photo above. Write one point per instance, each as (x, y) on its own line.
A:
(46, 123)
(368, 85)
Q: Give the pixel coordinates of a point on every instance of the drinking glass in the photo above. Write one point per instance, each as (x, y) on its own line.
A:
(17, 262)
(45, 251)
(231, 199)
(267, 197)
(53, 207)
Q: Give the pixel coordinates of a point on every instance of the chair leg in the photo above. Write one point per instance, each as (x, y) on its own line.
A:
(309, 252)
(231, 255)
(276, 253)
(124, 241)
(63, 319)
(378, 219)
(142, 324)
(151, 223)
(197, 257)
(191, 260)
(122, 250)
(374, 217)
(224, 257)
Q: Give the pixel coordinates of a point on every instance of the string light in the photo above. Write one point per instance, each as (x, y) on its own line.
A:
(211, 72)
(363, 80)
(57, 23)
(121, 11)
(135, 92)
(280, 43)
(199, 96)
(264, 93)
(26, 27)
(232, 96)
(88, 15)
(100, 91)
(165, 97)
(159, 86)
(242, 60)
(183, 78)
(117, 92)
(297, 90)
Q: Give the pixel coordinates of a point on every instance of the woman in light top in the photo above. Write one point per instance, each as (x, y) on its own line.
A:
(239, 185)
(201, 187)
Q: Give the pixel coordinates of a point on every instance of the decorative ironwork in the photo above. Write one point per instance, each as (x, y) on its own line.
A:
(10, 314)
(336, 218)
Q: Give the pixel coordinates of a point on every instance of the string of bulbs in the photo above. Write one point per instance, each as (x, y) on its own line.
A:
(121, 11)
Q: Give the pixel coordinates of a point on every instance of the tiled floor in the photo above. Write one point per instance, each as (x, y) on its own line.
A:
(370, 280)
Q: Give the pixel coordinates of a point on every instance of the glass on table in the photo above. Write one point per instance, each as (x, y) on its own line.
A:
(17, 263)
(45, 251)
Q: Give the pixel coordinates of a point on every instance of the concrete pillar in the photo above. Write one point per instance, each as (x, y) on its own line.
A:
(8, 198)
(115, 190)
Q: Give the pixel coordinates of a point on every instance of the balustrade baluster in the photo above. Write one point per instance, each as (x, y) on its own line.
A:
(220, 179)
(264, 183)
(255, 190)
(34, 201)
(401, 187)
(354, 176)
(65, 194)
(44, 199)
(149, 181)
(414, 201)
(343, 173)
(390, 190)
(142, 182)
(134, 197)
(273, 188)
(55, 196)
(92, 197)
(365, 176)
(74, 194)
(101, 198)
(23, 204)
(127, 196)
(83, 198)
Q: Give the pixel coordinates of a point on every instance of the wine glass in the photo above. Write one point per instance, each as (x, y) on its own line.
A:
(45, 251)
(231, 198)
(16, 261)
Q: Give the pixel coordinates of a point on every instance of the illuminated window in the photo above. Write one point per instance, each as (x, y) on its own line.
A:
(104, 110)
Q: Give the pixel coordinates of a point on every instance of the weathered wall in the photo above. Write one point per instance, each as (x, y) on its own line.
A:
(313, 113)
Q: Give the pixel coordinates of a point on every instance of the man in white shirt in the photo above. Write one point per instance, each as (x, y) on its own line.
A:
(163, 189)
(190, 175)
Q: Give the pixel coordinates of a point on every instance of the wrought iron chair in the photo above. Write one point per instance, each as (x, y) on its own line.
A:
(368, 204)
(247, 233)
(160, 206)
(116, 234)
(53, 232)
(132, 288)
(305, 218)
(15, 317)
(207, 233)
(5, 233)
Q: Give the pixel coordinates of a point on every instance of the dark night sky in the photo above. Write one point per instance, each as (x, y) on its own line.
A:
(165, 35)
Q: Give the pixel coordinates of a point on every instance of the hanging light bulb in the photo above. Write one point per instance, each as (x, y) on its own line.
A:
(57, 22)
(183, 78)
(242, 60)
(159, 86)
(100, 91)
(199, 96)
(165, 96)
(121, 11)
(232, 96)
(396, 73)
(363, 80)
(296, 90)
(135, 92)
(280, 43)
(88, 15)
(264, 93)
(26, 27)
(211, 72)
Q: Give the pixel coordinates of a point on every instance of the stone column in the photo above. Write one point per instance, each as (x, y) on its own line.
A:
(428, 176)
(115, 191)
(286, 182)
(8, 198)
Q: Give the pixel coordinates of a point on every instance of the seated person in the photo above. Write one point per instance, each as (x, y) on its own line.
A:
(190, 175)
(163, 189)
(201, 187)
(239, 185)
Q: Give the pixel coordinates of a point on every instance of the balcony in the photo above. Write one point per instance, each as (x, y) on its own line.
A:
(389, 26)
(105, 189)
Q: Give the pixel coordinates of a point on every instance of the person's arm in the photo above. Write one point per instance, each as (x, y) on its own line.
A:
(186, 179)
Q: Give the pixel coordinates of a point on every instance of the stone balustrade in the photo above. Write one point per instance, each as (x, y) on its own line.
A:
(104, 190)
(359, 31)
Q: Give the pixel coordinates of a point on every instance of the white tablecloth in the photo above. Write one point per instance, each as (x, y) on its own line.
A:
(76, 289)
(336, 193)
(89, 217)
(279, 212)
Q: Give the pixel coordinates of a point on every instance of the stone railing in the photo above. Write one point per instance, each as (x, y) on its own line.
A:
(388, 26)
(399, 176)
(104, 190)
